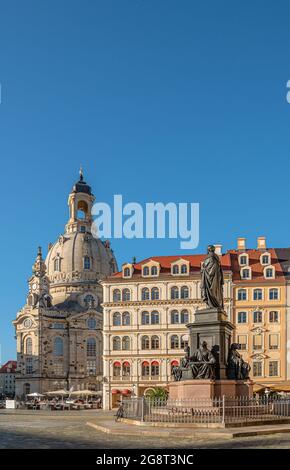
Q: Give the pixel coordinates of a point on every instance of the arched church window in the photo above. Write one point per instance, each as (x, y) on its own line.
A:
(28, 347)
(82, 210)
(91, 347)
(87, 262)
(57, 264)
(58, 346)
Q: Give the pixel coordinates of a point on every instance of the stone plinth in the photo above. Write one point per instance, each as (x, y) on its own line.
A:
(207, 389)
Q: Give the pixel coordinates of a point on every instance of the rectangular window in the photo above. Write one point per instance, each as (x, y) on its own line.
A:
(274, 317)
(257, 369)
(58, 368)
(242, 340)
(273, 368)
(242, 317)
(257, 342)
(274, 341)
(91, 367)
(29, 368)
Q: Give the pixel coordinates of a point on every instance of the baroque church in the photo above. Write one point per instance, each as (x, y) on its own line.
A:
(59, 329)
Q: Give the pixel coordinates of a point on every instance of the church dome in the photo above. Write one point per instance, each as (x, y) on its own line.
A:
(77, 260)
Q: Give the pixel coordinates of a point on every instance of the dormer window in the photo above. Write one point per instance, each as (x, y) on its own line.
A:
(127, 272)
(183, 269)
(243, 259)
(154, 271)
(245, 273)
(265, 259)
(269, 273)
(146, 271)
(175, 269)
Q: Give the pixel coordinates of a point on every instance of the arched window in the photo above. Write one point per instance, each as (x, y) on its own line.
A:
(116, 319)
(87, 262)
(28, 347)
(154, 342)
(145, 320)
(145, 342)
(175, 269)
(57, 264)
(274, 294)
(242, 294)
(184, 318)
(91, 347)
(116, 343)
(245, 273)
(92, 323)
(126, 320)
(155, 368)
(269, 272)
(146, 271)
(174, 342)
(184, 292)
(116, 295)
(89, 301)
(258, 317)
(125, 295)
(127, 272)
(243, 260)
(145, 293)
(183, 269)
(184, 341)
(174, 317)
(154, 271)
(154, 293)
(154, 318)
(126, 343)
(58, 346)
(145, 369)
(117, 369)
(126, 369)
(173, 364)
(265, 259)
(258, 294)
(174, 292)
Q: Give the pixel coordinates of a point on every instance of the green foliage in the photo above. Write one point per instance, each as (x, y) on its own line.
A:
(158, 392)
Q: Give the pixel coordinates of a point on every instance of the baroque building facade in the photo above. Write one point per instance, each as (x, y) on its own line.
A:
(146, 308)
(59, 329)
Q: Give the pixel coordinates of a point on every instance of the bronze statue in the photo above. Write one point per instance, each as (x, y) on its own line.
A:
(202, 363)
(212, 280)
(237, 368)
(199, 366)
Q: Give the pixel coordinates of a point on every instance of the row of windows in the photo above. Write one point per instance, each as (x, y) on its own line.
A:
(258, 369)
(149, 342)
(257, 317)
(153, 270)
(273, 294)
(86, 263)
(258, 341)
(153, 294)
(244, 259)
(246, 273)
(150, 318)
(58, 347)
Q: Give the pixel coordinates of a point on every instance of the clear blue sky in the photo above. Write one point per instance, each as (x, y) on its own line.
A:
(160, 100)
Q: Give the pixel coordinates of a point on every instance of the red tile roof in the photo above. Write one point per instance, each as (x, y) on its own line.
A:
(9, 365)
(254, 263)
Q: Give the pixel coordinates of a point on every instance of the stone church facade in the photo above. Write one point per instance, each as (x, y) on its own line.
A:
(59, 329)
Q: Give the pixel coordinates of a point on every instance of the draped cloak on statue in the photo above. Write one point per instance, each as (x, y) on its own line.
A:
(212, 280)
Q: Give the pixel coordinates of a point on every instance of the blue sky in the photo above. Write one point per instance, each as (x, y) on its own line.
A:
(170, 100)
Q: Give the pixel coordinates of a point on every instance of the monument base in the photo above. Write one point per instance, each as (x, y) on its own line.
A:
(191, 389)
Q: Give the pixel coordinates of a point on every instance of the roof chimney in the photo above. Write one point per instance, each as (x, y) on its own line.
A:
(241, 244)
(261, 243)
(218, 249)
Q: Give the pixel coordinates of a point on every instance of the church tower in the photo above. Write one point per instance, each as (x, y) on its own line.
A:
(59, 329)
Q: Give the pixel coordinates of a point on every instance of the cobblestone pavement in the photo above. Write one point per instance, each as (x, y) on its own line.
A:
(68, 430)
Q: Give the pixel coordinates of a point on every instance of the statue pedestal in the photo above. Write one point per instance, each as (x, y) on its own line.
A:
(212, 325)
(208, 389)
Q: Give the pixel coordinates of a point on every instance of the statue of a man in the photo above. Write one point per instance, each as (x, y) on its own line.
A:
(202, 363)
(237, 368)
(212, 280)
